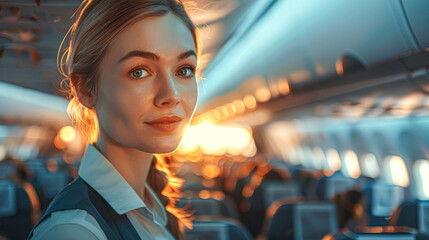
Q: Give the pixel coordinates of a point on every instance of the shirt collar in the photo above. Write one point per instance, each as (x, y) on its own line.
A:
(102, 176)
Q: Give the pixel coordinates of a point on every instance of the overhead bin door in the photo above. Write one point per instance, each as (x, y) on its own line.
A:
(370, 31)
(418, 15)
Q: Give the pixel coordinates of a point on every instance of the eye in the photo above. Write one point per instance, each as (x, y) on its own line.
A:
(139, 73)
(186, 72)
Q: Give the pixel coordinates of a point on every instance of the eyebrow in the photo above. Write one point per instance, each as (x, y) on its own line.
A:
(187, 54)
(154, 56)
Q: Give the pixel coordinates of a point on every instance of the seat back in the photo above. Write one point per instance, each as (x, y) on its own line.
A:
(7, 199)
(384, 198)
(52, 183)
(375, 236)
(303, 221)
(7, 169)
(328, 186)
(15, 211)
(225, 229)
(275, 190)
(210, 207)
(423, 217)
(37, 166)
(381, 199)
(413, 214)
(338, 185)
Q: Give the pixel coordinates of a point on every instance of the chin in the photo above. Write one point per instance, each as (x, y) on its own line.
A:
(160, 148)
(165, 150)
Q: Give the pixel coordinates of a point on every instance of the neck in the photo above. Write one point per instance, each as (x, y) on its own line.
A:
(131, 163)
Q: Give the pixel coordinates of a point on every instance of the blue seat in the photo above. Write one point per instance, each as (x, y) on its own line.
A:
(217, 229)
(381, 199)
(328, 186)
(275, 190)
(49, 185)
(7, 170)
(374, 236)
(413, 214)
(302, 221)
(364, 181)
(37, 167)
(52, 183)
(209, 207)
(15, 211)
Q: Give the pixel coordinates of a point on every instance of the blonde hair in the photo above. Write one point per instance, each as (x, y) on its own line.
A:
(96, 24)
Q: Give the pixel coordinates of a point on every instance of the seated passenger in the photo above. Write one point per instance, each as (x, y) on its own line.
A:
(350, 210)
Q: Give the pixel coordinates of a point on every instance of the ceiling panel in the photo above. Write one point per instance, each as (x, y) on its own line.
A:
(30, 36)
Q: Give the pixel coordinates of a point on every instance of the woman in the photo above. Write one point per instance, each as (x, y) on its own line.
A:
(131, 64)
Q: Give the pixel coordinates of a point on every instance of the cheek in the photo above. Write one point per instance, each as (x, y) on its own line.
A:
(110, 114)
(112, 101)
(189, 97)
(116, 108)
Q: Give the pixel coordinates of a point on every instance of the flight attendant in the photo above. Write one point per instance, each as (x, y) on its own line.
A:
(132, 68)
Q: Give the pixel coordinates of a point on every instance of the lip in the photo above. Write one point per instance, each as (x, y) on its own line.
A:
(165, 124)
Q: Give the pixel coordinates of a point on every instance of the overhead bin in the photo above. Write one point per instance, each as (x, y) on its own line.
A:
(304, 42)
(29, 106)
(369, 32)
(417, 12)
(270, 50)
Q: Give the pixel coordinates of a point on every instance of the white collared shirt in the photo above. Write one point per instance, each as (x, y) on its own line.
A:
(149, 219)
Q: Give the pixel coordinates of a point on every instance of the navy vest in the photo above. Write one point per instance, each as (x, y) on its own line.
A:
(79, 195)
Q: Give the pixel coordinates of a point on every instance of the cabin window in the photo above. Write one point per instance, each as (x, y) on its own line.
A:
(421, 170)
(308, 159)
(370, 166)
(301, 156)
(319, 158)
(351, 166)
(293, 156)
(333, 160)
(396, 171)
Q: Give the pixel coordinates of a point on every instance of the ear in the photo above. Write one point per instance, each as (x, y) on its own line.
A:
(84, 95)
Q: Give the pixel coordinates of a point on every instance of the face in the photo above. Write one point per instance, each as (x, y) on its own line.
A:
(147, 90)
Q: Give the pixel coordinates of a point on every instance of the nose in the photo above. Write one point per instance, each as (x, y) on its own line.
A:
(167, 95)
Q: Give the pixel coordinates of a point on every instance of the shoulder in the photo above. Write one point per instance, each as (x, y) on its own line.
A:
(76, 195)
(71, 224)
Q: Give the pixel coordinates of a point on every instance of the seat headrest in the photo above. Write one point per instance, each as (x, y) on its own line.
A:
(222, 229)
(413, 214)
(202, 207)
(306, 220)
(275, 190)
(7, 199)
(7, 169)
(382, 198)
(53, 183)
(423, 216)
(327, 187)
(375, 236)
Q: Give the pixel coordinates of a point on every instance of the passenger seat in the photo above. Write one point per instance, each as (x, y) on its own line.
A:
(301, 221)
(217, 229)
(15, 211)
